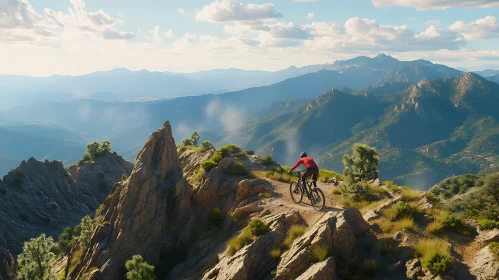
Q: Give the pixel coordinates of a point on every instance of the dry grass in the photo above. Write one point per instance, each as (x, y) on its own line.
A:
(391, 213)
(434, 254)
(276, 253)
(434, 227)
(410, 194)
(404, 223)
(426, 246)
(294, 232)
(385, 224)
(239, 241)
(439, 215)
(319, 254)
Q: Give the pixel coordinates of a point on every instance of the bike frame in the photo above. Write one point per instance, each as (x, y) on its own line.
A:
(307, 184)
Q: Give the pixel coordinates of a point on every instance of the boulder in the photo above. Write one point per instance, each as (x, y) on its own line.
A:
(485, 266)
(254, 261)
(425, 204)
(487, 236)
(250, 188)
(325, 270)
(414, 270)
(374, 214)
(297, 260)
(350, 227)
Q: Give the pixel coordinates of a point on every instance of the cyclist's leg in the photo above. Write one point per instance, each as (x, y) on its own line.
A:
(315, 176)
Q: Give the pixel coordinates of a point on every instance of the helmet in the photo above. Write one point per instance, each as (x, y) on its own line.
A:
(303, 154)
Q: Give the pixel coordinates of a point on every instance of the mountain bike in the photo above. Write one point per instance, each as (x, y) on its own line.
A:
(315, 195)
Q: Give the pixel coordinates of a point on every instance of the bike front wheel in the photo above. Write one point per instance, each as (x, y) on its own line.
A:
(317, 199)
(296, 192)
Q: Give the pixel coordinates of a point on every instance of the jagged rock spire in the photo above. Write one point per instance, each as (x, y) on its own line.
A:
(140, 215)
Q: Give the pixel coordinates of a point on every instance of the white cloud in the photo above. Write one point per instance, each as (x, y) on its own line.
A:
(484, 28)
(289, 31)
(368, 35)
(310, 15)
(436, 4)
(181, 11)
(234, 11)
(20, 22)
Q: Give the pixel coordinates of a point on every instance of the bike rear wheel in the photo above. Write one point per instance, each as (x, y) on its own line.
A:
(317, 199)
(296, 192)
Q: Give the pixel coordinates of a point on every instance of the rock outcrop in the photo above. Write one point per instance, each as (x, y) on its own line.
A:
(337, 233)
(147, 215)
(254, 260)
(7, 265)
(485, 266)
(42, 197)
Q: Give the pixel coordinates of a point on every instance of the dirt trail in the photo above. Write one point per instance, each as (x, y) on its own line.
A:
(282, 202)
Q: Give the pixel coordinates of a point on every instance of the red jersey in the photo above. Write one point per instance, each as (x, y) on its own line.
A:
(307, 161)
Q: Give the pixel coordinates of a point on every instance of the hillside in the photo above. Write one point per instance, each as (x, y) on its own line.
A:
(494, 78)
(424, 133)
(128, 124)
(21, 141)
(43, 197)
(227, 224)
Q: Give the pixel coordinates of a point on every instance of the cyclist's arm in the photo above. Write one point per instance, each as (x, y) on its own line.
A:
(296, 165)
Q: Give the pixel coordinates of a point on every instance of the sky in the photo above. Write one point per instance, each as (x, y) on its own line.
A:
(75, 37)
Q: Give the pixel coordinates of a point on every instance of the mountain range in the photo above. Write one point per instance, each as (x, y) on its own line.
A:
(424, 133)
(361, 92)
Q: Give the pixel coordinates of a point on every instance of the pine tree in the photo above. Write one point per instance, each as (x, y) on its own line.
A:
(36, 258)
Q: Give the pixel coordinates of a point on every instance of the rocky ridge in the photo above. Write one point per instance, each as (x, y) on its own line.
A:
(43, 197)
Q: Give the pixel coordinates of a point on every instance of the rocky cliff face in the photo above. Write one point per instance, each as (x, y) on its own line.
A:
(42, 197)
(7, 265)
(141, 216)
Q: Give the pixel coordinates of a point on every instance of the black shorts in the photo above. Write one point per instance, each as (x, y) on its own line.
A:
(314, 172)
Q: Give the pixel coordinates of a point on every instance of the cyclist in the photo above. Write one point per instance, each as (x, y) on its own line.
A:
(312, 168)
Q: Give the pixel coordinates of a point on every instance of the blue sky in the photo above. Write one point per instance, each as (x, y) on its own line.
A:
(44, 37)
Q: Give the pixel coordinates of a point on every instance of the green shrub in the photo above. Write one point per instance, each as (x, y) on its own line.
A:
(138, 269)
(225, 152)
(494, 249)
(250, 152)
(94, 151)
(319, 253)
(405, 210)
(294, 232)
(66, 240)
(206, 146)
(360, 191)
(266, 161)
(233, 149)
(486, 224)
(208, 165)
(258, 227)
(124, 177)
(457, 224)
(240, 155)
(216, 219)
(238, 169)
(436, 261)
